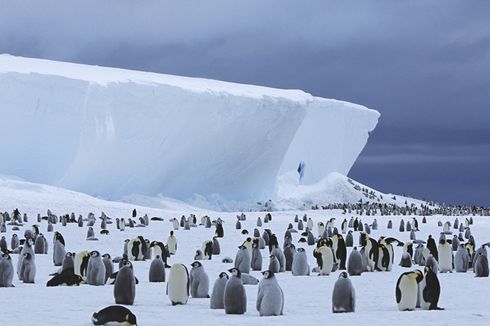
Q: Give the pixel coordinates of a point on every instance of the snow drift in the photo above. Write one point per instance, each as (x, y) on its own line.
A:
(112, 132)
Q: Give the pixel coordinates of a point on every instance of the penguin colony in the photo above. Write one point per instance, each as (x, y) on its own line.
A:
(302, 251)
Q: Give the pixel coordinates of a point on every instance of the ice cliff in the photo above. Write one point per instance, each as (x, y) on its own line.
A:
(112, 132)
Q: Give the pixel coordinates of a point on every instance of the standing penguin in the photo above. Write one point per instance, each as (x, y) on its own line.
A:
(6, 271)
(324, 258)
(207, 249)
(349, 239)
(220, 232)
(300, 265)
(289, 253)
(270, 298)
(256, 262)
(430, 290)
(40, 245)
(124, 286)
(28, 268)
(235, 297)
(242, 260)
(406, 291)
(216, 246)
(274, 265)
(354, 264)
(14, 242)
(461, 259)
(280, 258)
(481, 265)
(431, 245)
(343, 296)
(218, 294)
(445, 256)
(178, 284)
(199, 281)
(27, 249)
(109, 269)
(58, 252)
(172, 243)
(95, 269)
(157, 270)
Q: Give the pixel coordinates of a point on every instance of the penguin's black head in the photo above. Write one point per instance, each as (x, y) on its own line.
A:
(235, 271)
(223, 275)
(68, 254)
(196, 264)
(94, 253)
(301, 249)
(6, 256)
(272, 257)
(171, 232)
(302, 240)
(268, 274)
(107, 256)
(343, 275)
(27, 256)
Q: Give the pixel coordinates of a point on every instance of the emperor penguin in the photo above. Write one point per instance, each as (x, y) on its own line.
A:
(270, 297)
(207, 249)
(481, 265)
(114, 315)
(28, 268)
(325, 259)
(81, 263)
(371, 251)
(95, 269)
(68, 265)
(157, 270)
(216, 246)
(256, 262)
(461, 259)
(242, 260)
(321, 229)
(344, 226)
(14, 242)
(349, 239)
(274, 264)
(109, 268)
(125, 286)
(289, 253)
(340, 250)
(354, 264)
(455, 243)
(40, 245)
(406, 260)
(430, 290)
(159, 249)
(280, 258)
(343, 296)
(178, 284)
(235, 297)
(199, 281)
(431, 245)
(217, 296)
(175, 224)
(445, 256)
(300, 265)
(219, 232)
(407, 290)
(172, 243)
(199, 255)
(27, 249)
(6, 271)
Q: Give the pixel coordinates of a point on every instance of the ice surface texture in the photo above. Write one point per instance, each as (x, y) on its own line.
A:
(112, 132)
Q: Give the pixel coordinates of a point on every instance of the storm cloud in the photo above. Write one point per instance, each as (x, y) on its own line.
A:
(424, 65)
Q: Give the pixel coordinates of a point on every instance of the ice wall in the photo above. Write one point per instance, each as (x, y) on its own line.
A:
(113, 132)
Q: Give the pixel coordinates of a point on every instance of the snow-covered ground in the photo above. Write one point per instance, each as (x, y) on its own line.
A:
(307, 299)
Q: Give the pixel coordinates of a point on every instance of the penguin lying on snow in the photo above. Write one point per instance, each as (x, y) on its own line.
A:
(114, 315)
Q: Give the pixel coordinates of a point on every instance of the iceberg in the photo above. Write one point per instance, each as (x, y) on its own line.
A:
(113, 133)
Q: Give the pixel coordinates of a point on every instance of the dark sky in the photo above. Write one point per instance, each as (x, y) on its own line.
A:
(425, 65)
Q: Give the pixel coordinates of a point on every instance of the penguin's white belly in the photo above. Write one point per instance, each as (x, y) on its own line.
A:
(409, 292)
